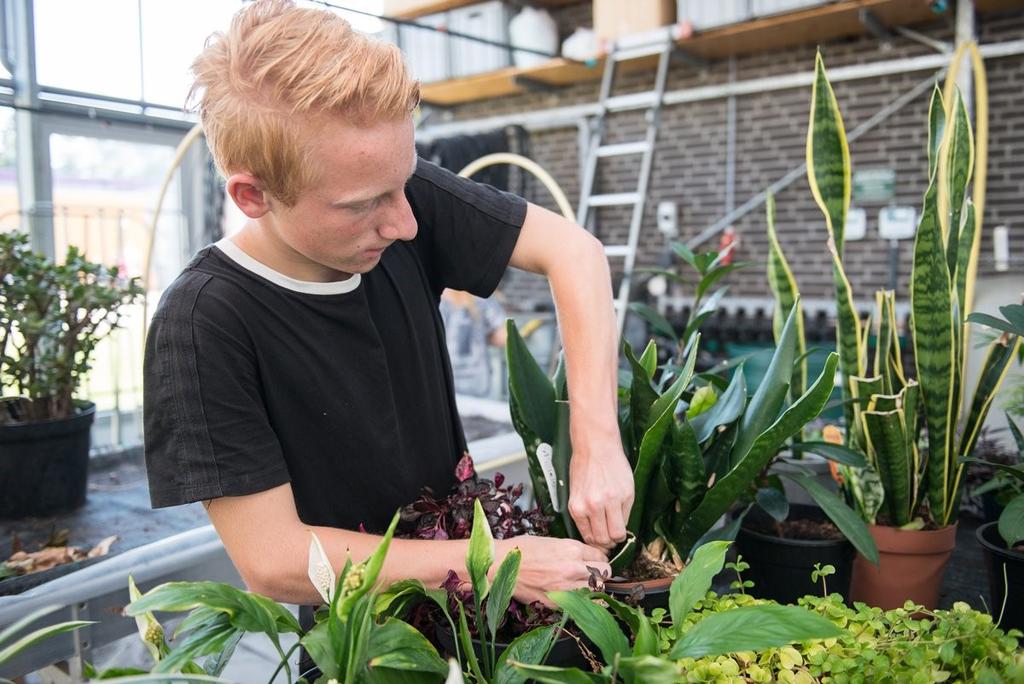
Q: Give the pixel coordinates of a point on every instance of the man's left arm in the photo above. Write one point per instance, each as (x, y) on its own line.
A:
(573, 260)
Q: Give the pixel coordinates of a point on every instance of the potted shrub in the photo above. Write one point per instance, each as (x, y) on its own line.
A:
(907, 428)
(51, 318)
(689, 469)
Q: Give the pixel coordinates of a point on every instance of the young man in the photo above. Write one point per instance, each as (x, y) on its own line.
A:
(296, 375)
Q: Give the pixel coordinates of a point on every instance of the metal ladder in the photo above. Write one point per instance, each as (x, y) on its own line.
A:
(661, 44)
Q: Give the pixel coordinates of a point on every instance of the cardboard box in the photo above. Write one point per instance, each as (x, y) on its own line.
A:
(614, 18)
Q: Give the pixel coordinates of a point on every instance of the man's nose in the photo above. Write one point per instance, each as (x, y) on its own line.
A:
(400, 224)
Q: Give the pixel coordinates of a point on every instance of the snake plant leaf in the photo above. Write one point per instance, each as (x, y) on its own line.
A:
(828, 156)
(935, 350)
(690, 477)
(766, 404)
(530, 390)
(721, 496)
(886, 436)
(662, 415)
(936, 129)
(787, 295)
(883, 348)
(955, 175)
(851, 337)
(1015, 431)
(833, 452)
(728, 408)
(967, 237)
(641, 392)
(993, 371)
(561, 454)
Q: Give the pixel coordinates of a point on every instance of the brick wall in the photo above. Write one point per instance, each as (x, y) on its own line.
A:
(689, 167)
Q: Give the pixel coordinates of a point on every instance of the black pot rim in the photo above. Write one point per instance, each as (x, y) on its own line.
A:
(1000, 551)
(16, 432)
(803, 543)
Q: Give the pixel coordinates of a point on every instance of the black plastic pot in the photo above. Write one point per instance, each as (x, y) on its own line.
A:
(44, 465)
(781, 568)
(998, 559)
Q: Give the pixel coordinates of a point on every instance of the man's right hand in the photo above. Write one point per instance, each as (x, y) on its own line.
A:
(550, 564)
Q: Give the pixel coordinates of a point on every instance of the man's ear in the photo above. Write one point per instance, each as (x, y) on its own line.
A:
(248, 194)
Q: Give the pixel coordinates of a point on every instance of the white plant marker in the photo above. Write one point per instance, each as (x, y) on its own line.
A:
(454, 673)
(321, 574)
(544, 455)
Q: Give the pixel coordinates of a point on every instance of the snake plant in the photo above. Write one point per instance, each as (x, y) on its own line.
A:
(690, 467)
(886, 409)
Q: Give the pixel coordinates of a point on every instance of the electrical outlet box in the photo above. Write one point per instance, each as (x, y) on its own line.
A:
(668, 219)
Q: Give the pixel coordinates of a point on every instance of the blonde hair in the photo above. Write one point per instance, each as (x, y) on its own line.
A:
(280, 72)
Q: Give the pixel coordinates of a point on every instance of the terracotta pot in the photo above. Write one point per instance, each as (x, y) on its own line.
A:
(655, 592)
(911, 563)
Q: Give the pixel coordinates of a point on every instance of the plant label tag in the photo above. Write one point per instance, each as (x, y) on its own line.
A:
(547, 466)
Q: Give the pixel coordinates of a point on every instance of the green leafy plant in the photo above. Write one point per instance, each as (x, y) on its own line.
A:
(739, 567)
(1011, 520)
(821, 573)
(478, 616)
(653, 649)
(710, 268)
(886, 409)
(908, 644)
(51, 318)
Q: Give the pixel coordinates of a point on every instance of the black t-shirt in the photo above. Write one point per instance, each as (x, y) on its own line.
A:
(342, 389)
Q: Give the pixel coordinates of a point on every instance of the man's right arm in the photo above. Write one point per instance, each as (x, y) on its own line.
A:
(269, 546)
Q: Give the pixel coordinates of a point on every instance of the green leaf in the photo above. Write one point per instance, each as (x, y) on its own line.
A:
(657, 321)
(641, 392)
(703, 399)
(688, 481)
(396, 645)
(501, 591)
(936, 129)
(548, 674)
(317, 642)
(715, 275)
(773, 502)
(728, 408)
(1011, 522)
(828, 156)
(752, 628)
(531, 648)
(530, 390)
(993, 322)
(833, 452)
(645, 641)
(594, 621)
(649, 670)
(1015, 431)
(685, 253)
(769, 398)
(693, 583)
(931, 304)
(36, 636)
(480, 554)
(968, 236)
(844, 517)
(727, 489)
(959, 161)
(787, 297)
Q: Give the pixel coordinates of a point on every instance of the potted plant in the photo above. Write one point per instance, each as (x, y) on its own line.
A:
(792, 528)
(914, 474)
(689, 469)
(51, 318)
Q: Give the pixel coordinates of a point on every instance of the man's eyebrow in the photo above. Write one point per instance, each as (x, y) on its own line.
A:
(344, 204)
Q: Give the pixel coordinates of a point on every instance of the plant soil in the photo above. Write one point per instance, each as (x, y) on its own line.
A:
(814, 530)
(647, 568)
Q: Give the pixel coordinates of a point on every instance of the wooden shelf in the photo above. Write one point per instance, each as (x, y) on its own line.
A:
(813, 25)
(410, 9)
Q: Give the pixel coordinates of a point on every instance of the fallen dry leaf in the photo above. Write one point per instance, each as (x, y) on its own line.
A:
(28, 562)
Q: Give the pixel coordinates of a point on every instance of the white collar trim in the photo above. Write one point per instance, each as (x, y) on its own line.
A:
(235, 253)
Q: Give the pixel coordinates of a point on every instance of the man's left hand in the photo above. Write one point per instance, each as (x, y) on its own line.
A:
(600, 492)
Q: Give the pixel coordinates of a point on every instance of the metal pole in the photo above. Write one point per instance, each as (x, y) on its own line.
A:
(35, 191)
(965, 33)
(730, 142)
